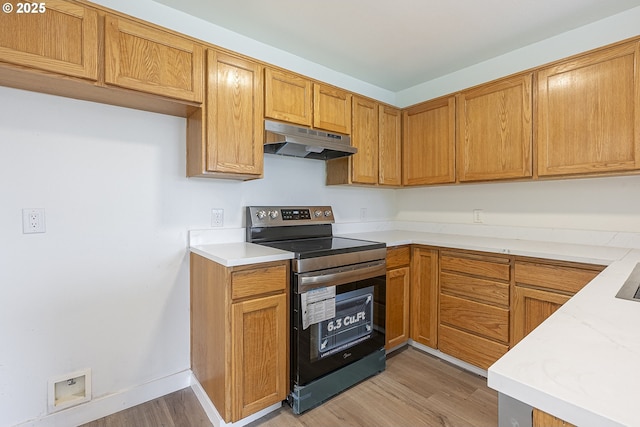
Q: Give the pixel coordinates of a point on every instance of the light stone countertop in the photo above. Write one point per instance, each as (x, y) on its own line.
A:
(240, 253)
(603, 255)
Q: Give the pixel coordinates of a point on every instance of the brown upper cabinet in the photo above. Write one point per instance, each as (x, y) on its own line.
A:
(428, 142)
(288, 97)
(225, 137)
(331, 109)
(495, 131)
(364, 136)
(63, 40)
(376, 133)
(152, 60)
(588, 116)
(296, 99)
(389, 146)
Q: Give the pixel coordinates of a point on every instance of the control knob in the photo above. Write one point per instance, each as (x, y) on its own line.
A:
(273, 214)
(318, 213)
(327, 213)
(261, 214)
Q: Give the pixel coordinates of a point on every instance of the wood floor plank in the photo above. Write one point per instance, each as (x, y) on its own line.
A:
(179, 409)
(416, 390)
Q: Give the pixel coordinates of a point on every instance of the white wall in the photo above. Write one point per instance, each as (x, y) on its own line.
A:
(598, 204)
(106, 287)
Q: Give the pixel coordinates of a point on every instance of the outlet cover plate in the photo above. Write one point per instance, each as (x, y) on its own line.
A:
(217, 217)
(33, 220)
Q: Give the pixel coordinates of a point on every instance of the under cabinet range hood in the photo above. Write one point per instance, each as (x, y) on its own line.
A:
(298, 141)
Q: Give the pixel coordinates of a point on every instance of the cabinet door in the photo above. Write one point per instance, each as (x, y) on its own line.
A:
(424, 296)
(397, 307)
(428, 143)
(288, 97)
(259, 329)
(62, 40)
(542, 286)
(531, 307)
(542, 419)
(588, 116)
(234, 124)
(331, 109)
(495, 132)
(364, 136)
(389, 146)
(152, 60)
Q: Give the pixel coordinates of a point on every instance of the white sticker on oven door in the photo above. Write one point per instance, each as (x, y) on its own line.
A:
(318, 305)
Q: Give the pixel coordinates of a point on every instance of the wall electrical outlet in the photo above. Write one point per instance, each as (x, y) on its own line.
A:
(478, 216)
(33, 220)
(363, 213)
(217, 217)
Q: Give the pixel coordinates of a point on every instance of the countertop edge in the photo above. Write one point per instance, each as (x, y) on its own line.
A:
(240, 253)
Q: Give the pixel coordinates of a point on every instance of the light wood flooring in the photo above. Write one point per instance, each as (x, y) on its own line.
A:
(178, 409)
(416, 389)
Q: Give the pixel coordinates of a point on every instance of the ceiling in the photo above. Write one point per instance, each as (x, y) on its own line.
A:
(398, 44)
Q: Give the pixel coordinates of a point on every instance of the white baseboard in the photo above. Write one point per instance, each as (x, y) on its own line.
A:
(214, 415)
(106, 405)
(460, 363)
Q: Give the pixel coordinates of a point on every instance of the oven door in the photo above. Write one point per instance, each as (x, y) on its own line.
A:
(338, 317)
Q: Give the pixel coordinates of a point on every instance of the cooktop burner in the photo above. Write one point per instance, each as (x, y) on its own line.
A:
(304, 230)
(316, 247)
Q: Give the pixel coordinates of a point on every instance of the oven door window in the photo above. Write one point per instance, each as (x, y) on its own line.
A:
(352, 324)
(354, 331)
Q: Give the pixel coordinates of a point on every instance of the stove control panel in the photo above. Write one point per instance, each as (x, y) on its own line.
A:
(273, 216)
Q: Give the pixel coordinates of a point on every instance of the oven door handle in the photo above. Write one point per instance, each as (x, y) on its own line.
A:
(340, 276)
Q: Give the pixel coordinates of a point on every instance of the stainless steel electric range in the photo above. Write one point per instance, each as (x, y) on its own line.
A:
(337, 300)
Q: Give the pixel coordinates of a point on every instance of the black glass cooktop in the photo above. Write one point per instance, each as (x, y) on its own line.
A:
(322, 246)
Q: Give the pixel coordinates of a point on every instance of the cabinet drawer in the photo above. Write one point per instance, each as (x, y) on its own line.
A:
(256, 281)
(398, 256)
(476, 265)
(482, 319)
(556, 277)
(474, 288)
(471, 348)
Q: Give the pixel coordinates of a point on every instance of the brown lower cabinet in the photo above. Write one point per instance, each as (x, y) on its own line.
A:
(240, 334)
(542, 419)
(424, 295)
(541, 287)
(474, 305)
(397, 297)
